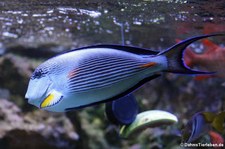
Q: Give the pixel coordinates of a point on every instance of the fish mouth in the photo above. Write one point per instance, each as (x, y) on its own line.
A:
(36, 101)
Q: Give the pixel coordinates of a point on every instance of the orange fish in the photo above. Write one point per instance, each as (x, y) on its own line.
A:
(212, 59)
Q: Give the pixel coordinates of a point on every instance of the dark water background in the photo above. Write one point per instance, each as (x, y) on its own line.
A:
(33, 30)
(149, 23)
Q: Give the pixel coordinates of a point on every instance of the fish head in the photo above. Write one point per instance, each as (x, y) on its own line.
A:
(39, 86)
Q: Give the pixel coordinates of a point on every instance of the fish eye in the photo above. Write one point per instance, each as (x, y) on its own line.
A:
(37, 74)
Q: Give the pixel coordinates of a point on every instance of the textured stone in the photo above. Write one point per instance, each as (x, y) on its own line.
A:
(34, 130)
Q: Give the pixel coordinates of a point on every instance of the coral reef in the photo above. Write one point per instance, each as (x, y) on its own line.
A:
(37, 129)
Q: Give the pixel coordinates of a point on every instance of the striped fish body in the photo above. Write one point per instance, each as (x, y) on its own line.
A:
(96, 74)
(93, 75)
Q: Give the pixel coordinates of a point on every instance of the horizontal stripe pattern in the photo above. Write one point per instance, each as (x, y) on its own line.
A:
(103, 71)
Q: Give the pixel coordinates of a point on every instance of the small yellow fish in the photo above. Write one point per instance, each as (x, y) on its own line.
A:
(151, 118)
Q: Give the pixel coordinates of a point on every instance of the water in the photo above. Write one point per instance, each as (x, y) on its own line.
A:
(148, 23)
(40, 29)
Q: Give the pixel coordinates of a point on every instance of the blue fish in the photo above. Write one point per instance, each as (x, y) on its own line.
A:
(201, 123)
(101, 73)
(122, 111)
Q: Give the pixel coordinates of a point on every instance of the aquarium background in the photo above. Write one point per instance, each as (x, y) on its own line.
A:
(31, 31)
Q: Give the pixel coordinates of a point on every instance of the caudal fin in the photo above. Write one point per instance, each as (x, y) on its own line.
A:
(175, 56)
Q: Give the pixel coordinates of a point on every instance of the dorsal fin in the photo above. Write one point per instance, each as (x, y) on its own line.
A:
(131, 49)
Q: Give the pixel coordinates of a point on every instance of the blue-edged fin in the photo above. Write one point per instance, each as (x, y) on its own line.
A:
(131, 49)
(201, 123)
(199, 126)
(52, 99)
(122, 111)
(175, 56)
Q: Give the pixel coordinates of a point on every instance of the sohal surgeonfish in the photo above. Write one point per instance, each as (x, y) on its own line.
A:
(101, 73)
(202, 123)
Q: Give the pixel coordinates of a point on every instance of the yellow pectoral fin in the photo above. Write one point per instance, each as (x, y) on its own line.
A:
(52, 99)
(47, 101)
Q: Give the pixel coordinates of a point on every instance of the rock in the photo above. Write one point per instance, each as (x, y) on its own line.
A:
(26, 139)
(4, 93)
(15, 74)
(34, 130)
(12, 69)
